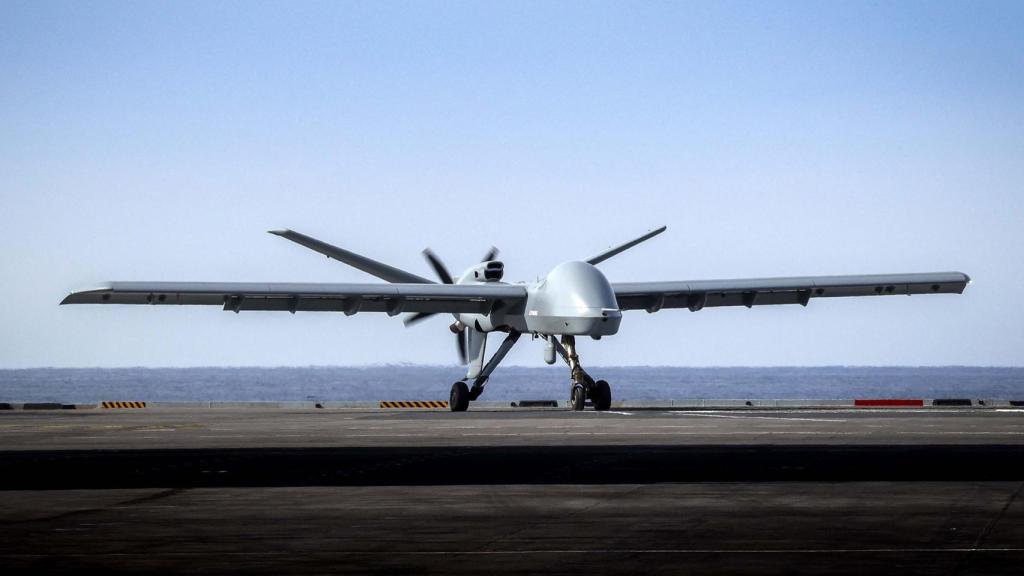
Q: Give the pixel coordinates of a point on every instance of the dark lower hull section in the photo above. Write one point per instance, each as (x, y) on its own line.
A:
(495, 465)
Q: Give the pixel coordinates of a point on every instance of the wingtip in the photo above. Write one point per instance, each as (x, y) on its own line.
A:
(72, 298)
(76, 296)
(281, 232)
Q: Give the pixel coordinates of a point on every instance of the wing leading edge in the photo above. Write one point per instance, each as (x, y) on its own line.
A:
(695, 295)
(295, 297)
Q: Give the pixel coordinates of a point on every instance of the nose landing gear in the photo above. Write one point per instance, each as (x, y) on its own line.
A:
(583, 386)
(601, 394)
(578, 397)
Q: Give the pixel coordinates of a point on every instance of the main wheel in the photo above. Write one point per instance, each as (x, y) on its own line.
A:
(601, 393)
(578, 398)
(458, 401)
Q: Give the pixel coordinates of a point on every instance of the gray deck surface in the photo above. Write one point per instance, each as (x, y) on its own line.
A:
(369, 491)
(275, 427)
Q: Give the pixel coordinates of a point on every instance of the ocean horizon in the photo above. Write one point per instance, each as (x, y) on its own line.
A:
(427, 382)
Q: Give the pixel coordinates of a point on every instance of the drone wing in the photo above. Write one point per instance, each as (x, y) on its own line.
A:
(595, 260)
(698, 294)
(392, 299)
(358, 261)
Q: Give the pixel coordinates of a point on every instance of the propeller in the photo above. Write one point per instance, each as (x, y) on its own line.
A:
(463, 346)
(438, 266)
(491, 255)
(446, 278)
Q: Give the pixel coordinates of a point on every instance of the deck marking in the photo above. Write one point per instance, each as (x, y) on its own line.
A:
(706, 415)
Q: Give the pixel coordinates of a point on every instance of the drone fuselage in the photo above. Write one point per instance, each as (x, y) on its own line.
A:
(574, 299)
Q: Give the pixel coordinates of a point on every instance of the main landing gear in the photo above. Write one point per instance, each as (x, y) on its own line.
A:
(458, 401)
(583, 386)
(462, 394)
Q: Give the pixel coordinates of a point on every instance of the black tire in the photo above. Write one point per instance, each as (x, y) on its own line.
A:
(458, 401)
(601, 394)
(578, 398)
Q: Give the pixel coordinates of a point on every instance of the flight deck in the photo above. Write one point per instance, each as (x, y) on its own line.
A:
(653, 490)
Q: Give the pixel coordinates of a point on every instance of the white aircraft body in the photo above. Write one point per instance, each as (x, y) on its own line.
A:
(574, 299)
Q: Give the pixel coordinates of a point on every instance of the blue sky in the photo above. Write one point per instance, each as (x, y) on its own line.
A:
(159, 141)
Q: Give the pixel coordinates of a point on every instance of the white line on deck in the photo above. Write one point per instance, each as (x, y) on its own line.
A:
(706, 415)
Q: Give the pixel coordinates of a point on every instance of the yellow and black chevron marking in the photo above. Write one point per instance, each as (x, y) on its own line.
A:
(124, 404)
(414, 404)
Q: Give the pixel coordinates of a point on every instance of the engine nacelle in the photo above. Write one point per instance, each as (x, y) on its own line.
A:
(490, 271)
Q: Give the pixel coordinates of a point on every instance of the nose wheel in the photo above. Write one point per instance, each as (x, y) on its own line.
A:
(578, 397)
(601, 395)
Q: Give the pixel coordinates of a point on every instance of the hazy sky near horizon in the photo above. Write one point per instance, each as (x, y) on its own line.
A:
(160, 140)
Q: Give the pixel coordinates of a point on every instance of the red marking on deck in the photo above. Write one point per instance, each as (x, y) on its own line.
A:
(888, 402)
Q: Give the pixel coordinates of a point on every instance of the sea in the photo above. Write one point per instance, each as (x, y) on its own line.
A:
(418, 382)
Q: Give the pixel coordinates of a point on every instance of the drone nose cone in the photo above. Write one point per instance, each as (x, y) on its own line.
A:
(575, 298)
(580, 288)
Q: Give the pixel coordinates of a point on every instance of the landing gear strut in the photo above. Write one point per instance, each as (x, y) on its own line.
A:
(461, 393)
(583, 386)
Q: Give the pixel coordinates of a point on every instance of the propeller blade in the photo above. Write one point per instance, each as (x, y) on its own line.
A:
(491, 254)
(417, 318)
(460, 341)
(438, 266)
